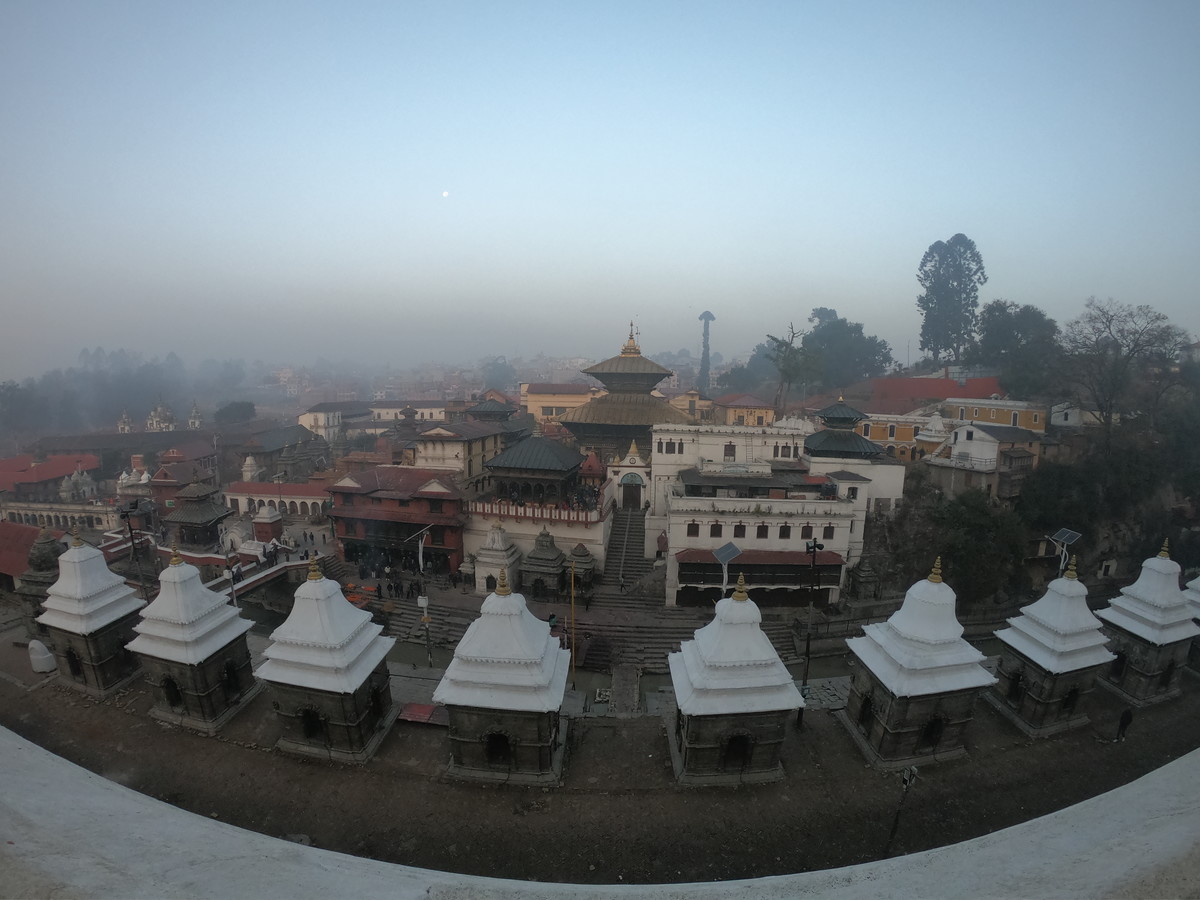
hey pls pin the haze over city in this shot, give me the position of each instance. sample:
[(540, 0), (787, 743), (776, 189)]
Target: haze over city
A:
[(415, 182)]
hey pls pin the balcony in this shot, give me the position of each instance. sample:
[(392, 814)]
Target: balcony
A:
[(761, 506), (541, 512)]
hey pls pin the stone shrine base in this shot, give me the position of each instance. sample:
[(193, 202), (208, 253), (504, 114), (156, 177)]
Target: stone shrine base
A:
[(550, 778), (710, 779), (891, 765), (98, 693), (206, 726), (1035, 731), (312, 751), (1138, 701)]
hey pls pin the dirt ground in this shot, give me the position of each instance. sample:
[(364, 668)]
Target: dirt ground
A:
[(619, 817)]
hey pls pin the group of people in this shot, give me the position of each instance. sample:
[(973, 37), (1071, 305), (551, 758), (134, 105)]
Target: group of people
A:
[(310, 537)]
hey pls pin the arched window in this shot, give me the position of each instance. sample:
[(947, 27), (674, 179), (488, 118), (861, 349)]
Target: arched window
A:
[(171, 693)]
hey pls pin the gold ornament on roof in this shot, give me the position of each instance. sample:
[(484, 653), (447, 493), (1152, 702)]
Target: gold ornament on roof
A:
[(314, 571), (1163, 554), (936, 575), (739, 593), (631, 347), (502, 588), (1071, 573), (176, 559), (76, 540)]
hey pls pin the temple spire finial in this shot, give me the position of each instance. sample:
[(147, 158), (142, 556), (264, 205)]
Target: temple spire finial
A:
[(739, 592), (76, 540), (1164, 553), (502, 588), (314, 571), (936, 574), (631, 347), (1071, 573), (176, 559)]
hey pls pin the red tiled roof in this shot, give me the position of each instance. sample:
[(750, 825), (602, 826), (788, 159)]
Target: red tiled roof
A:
[(180, 473), (270, 489), (23, 470), (764, 558), (402, 481), (15, 543)]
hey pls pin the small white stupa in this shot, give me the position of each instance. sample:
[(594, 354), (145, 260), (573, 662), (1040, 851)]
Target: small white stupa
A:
[(1059, 632), (1050, 656), (192, 644), (1154, 608), (503, 692), (1151, 628), (914, 693), (328, 670), (920, 649), (1192, 594), (731, 667), (507, 659), (90, 612), (734, 697)]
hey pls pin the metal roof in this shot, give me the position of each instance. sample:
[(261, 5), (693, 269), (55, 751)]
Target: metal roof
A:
[(537, 453)]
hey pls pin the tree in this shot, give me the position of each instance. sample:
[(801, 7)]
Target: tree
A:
[(749, 376), (950, 273), (839, 353), (1114, 348), (1022, 342), (791, 362), (237, 411), (498, 373)]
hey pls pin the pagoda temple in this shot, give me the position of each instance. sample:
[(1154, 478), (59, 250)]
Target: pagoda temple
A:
[(628, 412), (1051, 655), (838, 439), (89, 617), (733, 698), (1151, 628), (192, 646), (328, 673), (544, 567), (913, 694), (197, 514), (504, 691)]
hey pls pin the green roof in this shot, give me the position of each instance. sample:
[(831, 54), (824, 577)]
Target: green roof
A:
[(537, 453)]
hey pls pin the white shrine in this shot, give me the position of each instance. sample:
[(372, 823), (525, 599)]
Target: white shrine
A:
[(89, 617), (192, 646), (733, 699), (498, 554), (1192, 593), (504, 691), (328, 673), (1052, 653), (913, 694), (1151, 628)]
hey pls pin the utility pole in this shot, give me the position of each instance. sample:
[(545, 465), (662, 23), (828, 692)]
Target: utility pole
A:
[(811, 549)]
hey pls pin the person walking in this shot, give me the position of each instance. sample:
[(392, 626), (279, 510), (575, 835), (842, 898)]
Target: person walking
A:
[(1124, 723)]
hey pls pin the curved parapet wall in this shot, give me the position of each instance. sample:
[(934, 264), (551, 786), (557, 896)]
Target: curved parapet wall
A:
[(70, 833)]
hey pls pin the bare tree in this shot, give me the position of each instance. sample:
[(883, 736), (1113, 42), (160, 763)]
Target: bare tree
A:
[(791, 361), (1112, 350)]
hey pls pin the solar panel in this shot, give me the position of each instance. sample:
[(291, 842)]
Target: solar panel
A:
[(1066, 536)]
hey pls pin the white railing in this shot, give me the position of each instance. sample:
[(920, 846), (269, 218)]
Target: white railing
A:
[(744, 506), (506, 509), (973, 463)]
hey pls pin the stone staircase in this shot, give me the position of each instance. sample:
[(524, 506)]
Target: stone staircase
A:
[(626, 546)]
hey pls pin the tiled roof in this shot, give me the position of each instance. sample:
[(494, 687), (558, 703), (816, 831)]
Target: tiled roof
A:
[(1006, 433), (273, 439), (465, 431), (15, 543), (628, 365), (180, 473), (400, 481), (551, 387), (843, 475), (837, 442), (199, 512), (625, 409), (23, 470), (764, 558), (537, 453)]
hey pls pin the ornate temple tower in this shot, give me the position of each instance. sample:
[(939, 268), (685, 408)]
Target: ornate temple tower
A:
[(1151, 628), (628, 412), (89, 618), (195, 423), (328, 674), (125, 424), (192, 646), (504, 691), (734, 697), (914, 692), (1050, 657), (498, 554)]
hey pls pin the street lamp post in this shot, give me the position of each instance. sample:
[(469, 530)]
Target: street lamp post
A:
[(126, 516), (423, 604), (811, 549)]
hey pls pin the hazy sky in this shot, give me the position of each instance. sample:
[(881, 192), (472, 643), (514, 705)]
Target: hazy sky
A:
[(406, 181)]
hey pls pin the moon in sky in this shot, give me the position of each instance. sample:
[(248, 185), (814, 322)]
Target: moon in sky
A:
[(445, 193)]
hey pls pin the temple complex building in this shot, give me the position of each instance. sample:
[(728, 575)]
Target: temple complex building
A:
[(1151, 628), (192, 647), (913, 694), (1050, 656), (504, 692), (608, 424), (89, 617), (194, 521), (327, 669), (733, 699)]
